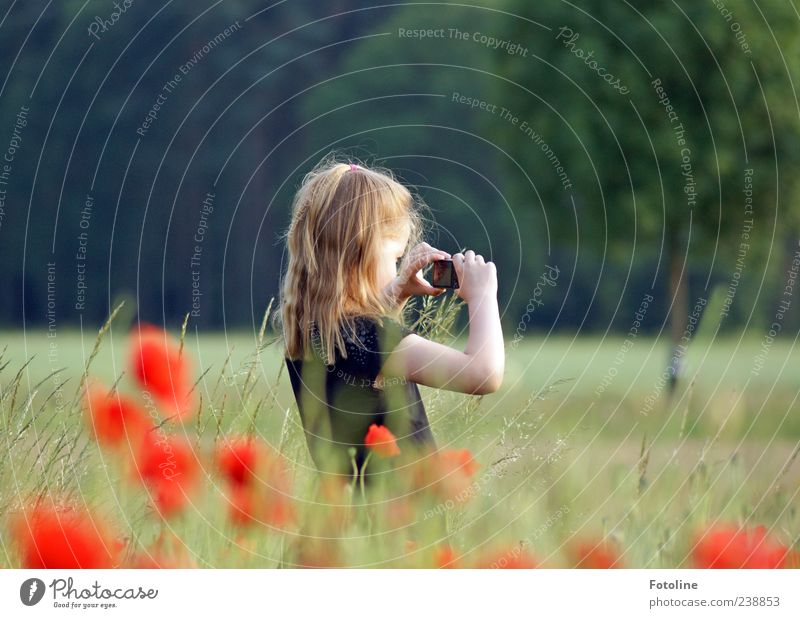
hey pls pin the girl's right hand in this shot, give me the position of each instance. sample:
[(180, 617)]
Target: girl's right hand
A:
[(476, 277)]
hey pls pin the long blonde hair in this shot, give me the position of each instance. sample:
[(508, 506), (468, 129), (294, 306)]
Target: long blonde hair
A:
[(341, 214)]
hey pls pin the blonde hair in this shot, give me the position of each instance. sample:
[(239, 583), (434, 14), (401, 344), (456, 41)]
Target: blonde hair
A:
[(340, 215)]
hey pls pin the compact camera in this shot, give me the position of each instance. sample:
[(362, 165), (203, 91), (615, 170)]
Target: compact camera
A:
[(444, 275)]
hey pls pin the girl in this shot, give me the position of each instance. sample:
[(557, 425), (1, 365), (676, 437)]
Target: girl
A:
[(351, 361)]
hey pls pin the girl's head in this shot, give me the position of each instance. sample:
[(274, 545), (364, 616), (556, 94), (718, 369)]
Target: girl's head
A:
[(350, 224)]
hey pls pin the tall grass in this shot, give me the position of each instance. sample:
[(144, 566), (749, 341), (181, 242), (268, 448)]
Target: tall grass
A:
[(537, 491)]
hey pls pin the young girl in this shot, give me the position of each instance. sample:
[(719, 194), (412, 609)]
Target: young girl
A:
[(351, 361)]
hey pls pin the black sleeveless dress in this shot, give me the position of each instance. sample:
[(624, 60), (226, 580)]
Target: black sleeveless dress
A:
[(338, 403)]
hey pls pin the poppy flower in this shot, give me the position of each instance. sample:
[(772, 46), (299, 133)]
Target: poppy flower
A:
[(731, 547), (459, 460), (237, 459), (250, 506), (242, 511), (260, 488), (279, 509), (445, 558), (114, 418), (381, 441), (63, 537), (447, 473), (161, 370), (592, 555), (276, 502), (168, 467)]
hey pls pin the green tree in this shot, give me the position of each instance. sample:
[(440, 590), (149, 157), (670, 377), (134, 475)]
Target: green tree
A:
[(655, 111)]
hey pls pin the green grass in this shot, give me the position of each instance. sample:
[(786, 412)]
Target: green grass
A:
[(559, 459)]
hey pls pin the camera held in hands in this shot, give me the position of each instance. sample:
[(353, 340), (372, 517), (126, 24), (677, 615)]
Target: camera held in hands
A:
[(444, 275)]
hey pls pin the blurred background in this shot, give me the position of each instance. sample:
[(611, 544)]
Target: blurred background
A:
[(524, 149)]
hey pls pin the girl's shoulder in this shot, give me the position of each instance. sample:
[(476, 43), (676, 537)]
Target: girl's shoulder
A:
[(376, 329), (370, 342), (368, 339)]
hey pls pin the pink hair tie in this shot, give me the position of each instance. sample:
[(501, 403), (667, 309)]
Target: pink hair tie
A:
[(353, 167)]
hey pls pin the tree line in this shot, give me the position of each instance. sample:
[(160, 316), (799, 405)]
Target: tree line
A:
[(637, 150)]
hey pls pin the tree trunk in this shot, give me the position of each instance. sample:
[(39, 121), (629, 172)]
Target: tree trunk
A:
[(679, 311)]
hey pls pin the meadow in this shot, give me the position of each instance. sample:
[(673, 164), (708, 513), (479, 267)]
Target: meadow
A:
[(581, 459)]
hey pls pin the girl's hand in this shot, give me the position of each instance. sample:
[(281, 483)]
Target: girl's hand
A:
[(476, 277), (409, 281)]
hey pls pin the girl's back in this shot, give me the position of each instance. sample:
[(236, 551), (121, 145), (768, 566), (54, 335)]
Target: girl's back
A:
[(339, 402), (352, 363)]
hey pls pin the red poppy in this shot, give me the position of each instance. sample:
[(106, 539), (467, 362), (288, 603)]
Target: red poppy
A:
[(731, 547), (114, 418), (459, 460), (381, 441), (595, 555), (250, 506), (279, 509), (168, 467), (237, 459), (161, 369), (275, 491), (63, 537), (260, 489), (445, 558), (448, 474), (242, 511)]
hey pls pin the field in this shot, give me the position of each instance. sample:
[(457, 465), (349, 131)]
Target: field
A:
[(582, 447)]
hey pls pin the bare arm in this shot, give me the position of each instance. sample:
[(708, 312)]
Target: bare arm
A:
[(479, 368)]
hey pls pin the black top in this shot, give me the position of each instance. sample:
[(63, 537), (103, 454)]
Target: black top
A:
[(338, 403)]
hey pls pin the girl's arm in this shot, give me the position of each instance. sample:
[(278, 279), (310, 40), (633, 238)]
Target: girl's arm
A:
[(479, 368), (409, 281)]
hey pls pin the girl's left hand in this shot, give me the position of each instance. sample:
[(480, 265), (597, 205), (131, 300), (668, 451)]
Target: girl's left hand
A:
[(409, 280)]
